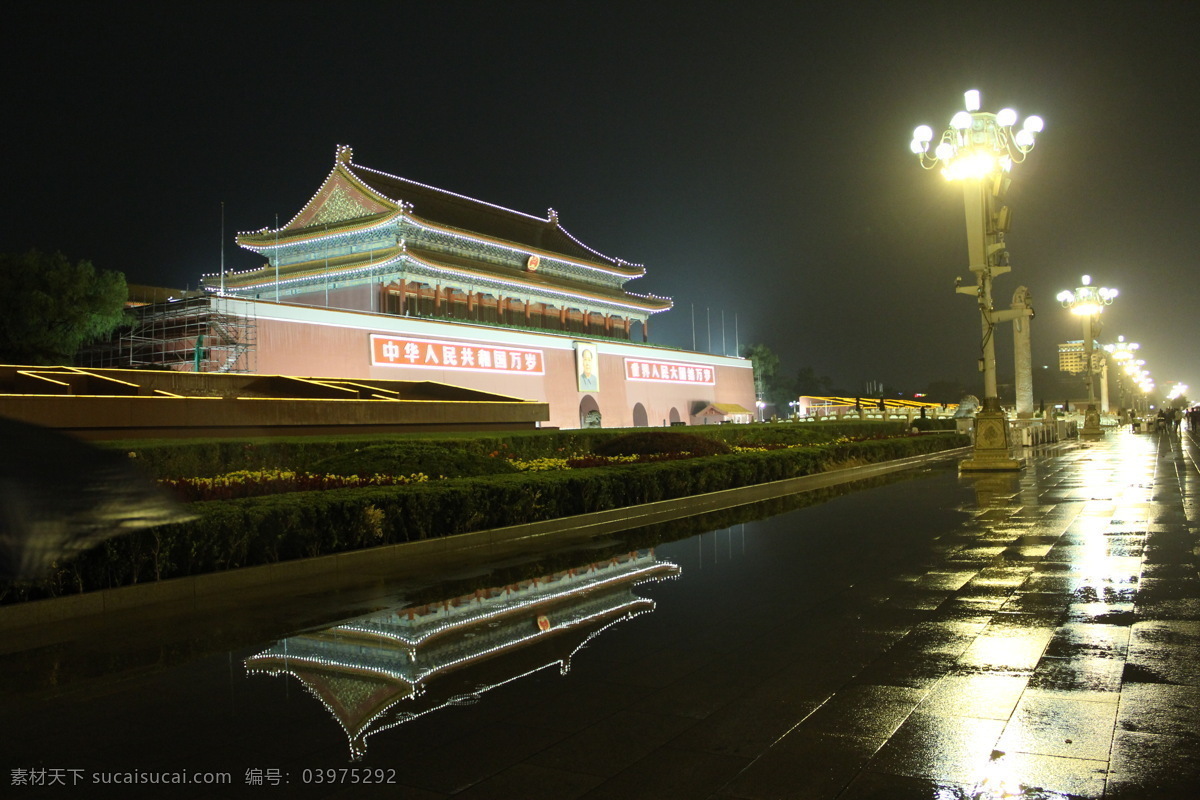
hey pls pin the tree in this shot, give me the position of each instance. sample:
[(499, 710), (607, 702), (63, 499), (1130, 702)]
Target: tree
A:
[(809, 383), (770, 385), (766, 365), (49, 306)]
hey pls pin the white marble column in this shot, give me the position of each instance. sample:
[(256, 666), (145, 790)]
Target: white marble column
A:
[(1022, 354), (1104, 385)]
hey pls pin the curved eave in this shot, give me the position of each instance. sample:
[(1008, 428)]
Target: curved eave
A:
[(652, 305), (337, 269), (396, 190), (269, 240), (517, 247), (266, 276)]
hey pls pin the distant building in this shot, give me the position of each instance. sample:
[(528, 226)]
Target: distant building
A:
[(1071, 356), (718, 413), (382, 277)]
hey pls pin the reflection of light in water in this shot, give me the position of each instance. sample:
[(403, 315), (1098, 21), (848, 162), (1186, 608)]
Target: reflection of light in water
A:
[(391, 667), (1000, 782), (1101, 576), (995, 490)]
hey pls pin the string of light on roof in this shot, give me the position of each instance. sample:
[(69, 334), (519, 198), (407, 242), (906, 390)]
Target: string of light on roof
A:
[(323, 235), (344, 155), (527, 286), (522, 252), (568, 234), (465, 275), (428, 226), (446, 192)]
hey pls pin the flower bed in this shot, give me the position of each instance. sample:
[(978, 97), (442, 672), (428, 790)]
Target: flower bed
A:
[(255, 483), (299, 524)]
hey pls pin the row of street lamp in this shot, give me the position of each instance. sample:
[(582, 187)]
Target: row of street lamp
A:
[(1087, 302), (979, 149)]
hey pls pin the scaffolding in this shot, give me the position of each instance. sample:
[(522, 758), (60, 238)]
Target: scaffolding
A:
[(197, 334)]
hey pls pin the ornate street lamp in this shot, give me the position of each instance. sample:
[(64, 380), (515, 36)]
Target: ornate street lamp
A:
[(1086, 302), (1121, 352), (1143, 380), (1139, 378), (979, 150)]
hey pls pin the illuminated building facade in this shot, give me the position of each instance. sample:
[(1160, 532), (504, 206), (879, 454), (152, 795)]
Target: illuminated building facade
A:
[(380, 277), (370, 241), (1071, 356)]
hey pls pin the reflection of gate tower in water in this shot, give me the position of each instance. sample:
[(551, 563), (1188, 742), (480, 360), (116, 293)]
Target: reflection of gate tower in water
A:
[(379, 671)]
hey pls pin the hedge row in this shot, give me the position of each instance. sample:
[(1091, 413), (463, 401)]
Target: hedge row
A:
[(204, 458), (263, 530)]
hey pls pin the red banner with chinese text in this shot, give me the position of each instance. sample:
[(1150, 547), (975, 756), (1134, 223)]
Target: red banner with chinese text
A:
[(405, 351), (643, 369)]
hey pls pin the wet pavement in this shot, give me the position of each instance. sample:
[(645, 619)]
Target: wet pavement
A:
[(931, 636)]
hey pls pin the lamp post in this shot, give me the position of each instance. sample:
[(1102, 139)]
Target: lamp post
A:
[(978, 150), (1133, 371), (1121, 352), (1086, 302), (1141, 380)]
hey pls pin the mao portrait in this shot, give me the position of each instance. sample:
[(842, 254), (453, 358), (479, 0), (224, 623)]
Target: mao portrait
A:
[(587, 377)]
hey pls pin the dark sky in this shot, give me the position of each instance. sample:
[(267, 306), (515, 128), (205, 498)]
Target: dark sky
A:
[(753, 155)]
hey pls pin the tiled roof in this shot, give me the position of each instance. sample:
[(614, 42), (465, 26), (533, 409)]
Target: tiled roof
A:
[(476, 216)]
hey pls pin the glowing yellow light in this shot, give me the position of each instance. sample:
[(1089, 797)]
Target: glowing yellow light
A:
[(971, 165)]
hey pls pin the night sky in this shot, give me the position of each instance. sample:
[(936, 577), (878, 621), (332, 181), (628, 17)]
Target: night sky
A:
[(752, 155)]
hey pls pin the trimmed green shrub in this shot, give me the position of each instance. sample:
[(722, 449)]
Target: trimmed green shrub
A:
[(653, 442), (411, 458), (260, 530), (204, 458)]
